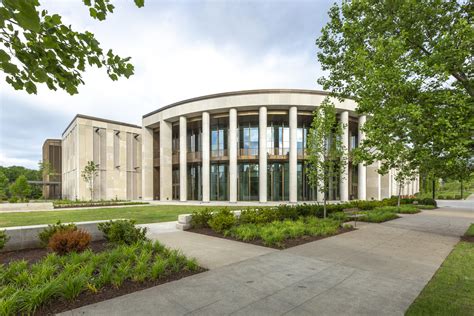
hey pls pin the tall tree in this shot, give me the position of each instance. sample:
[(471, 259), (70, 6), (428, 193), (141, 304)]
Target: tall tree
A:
[(90, 172), (20, 188), (3, 186), (326, 153), (37, 47), (409, 66)]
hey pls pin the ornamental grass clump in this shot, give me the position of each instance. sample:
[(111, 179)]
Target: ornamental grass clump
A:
[(26, 287)]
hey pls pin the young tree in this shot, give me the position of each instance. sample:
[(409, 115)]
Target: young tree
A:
[(90, 172), (37, 47), (408, 64), (3, 186), (326, 153), (20, 188), (46, 169)]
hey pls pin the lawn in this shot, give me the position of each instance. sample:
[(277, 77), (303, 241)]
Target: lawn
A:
[(451, 290), (142, 214)]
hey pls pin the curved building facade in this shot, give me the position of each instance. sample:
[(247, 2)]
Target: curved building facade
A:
[(234, 146), (247, 146)]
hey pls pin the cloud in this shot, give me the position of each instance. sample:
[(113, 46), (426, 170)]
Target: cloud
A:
[(180, 50)]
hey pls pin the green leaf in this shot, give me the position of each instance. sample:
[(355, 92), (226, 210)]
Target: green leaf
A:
[(9, 68), (4, 56), (28, 17), (139, 3)]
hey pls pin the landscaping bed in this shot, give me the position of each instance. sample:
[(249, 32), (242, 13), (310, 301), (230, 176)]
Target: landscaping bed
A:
[(73, 204), (469, 235), (73, 272), (288, 243)]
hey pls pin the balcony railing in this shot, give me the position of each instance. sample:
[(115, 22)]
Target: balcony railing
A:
[(194, 156), (248, 153), (219, 154), (278, 153)]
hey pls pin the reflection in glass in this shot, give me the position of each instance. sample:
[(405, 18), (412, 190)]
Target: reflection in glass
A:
[(278, 181), (194, 182), (219, 182), (248, 182)]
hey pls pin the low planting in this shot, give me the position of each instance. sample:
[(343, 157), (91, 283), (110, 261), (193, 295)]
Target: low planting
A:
[(24, 288), (470, 231), (403, 209), (275, 233), (425, 207), (48, 232), (377, 216), (122, 232), (78, 203), (3, 239)]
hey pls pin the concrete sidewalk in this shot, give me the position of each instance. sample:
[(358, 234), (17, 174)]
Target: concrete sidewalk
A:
[(377, 270)]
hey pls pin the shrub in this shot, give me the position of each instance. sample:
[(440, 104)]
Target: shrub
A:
[(222, 220), (66, 241), (122, 232), (339, 216), (449, 197), (457, 197), (201, 218), (425, 207), (13, 199), (404, 209), (378, 216), (3, 239), (46, 234), (257, 216), (441, 197), (428, 201)]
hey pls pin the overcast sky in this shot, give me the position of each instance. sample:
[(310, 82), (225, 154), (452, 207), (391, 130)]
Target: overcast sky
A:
[(180, 49)]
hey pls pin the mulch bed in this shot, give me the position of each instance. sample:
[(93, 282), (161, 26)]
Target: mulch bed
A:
[(286, 244), (467, 238), (108, 292), (36, 254), (86, 298)]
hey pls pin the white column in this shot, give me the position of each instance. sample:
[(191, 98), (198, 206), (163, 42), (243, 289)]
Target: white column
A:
[(166, 164), (182, 159), (262, 153), (362, 169), (344, 179), (205, 157), (390, 187), (233, 155), (293, 155)]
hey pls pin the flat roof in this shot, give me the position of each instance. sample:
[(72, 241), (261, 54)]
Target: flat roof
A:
[(87, 117), (234, 93)]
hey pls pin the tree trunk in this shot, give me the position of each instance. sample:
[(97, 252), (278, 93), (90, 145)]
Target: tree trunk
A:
[(434, 189), (462, 191), (324, 205), (399, 196)]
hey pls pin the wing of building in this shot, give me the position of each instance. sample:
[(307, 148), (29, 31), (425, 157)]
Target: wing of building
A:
[(234, 146)]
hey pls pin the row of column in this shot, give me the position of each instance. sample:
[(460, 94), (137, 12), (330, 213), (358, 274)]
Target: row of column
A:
[(166, 157)]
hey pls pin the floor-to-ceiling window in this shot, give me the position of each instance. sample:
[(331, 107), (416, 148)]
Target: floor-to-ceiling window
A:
[(353, 171), (306, 192), (175, 183), (219, 182), (194, 182), (219, 137), (248, 136), (248, 182), (278, 181), (278, 135)]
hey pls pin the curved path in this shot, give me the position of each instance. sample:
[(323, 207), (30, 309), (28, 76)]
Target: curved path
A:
[(377, 270)]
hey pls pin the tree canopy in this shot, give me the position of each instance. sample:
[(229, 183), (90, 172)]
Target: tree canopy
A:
[(36, 47), (409, 66)]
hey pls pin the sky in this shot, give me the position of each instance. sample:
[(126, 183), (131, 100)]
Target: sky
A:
[(180, 50)]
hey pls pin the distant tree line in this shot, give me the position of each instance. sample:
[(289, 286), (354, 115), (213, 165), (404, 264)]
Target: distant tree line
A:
[(14, 183)]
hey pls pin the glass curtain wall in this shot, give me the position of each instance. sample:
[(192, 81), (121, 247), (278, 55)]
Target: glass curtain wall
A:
[(305, 191), (219, 137), (248, 135), (278, 135), (175, 183), (194, 182), (353, 169), (248, 182), (219, 182), (194, 135), (278, 176)]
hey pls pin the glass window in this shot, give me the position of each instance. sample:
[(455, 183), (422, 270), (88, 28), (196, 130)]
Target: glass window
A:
[(219, 182), (278, 182), (194, 182), (248, 136), (219, 136), (248, 182)]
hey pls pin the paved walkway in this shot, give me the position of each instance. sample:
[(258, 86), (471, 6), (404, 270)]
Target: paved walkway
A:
[(377, 270)]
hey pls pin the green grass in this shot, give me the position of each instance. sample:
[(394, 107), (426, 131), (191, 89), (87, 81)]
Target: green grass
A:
[(24, 288), (142, 214), (425, 207), (378, 216), (470, 231), (275, 233), (451, 290), (404, 209)]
